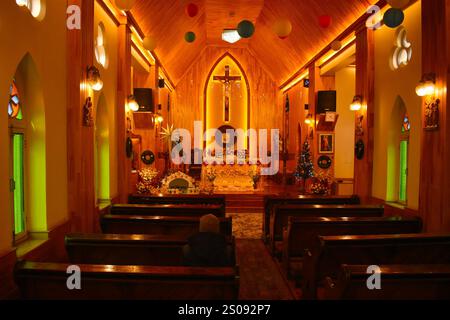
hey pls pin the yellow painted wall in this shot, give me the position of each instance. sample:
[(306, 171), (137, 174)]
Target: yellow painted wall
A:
[(46, 43), (345, 131), (388, 86), (109, 91)]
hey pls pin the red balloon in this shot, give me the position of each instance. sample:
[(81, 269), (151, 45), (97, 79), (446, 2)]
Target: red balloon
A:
[(325, 21), (192, 10)]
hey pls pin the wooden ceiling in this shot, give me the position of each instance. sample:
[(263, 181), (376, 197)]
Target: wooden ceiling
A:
[(167, 21)]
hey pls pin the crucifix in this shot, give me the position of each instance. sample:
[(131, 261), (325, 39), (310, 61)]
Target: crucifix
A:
[(226, 80)]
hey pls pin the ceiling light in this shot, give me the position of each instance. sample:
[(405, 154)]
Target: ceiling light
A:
[(230, 35)]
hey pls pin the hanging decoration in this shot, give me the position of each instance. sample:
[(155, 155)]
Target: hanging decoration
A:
[(282, 28), (325, 21), (191, 10), (189, 37), (125, 5), (336, 45), (150, 43), (393, 17), (246, 29), (399, 4)]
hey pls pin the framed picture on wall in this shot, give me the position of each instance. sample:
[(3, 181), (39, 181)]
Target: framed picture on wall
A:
[(326, 143)]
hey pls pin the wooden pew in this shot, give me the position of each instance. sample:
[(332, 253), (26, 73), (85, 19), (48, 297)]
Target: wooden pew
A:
[(48, 281), (302, 233), (184, 210), (281, 213), (154, 225), (398, 282), (177, 199), (330, 252), (120, 249), (271, 200)]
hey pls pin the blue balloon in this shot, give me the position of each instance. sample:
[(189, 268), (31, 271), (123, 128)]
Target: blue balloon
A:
[(246, 29), (393, 17)]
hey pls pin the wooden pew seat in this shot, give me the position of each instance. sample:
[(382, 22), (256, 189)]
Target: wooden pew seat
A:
[(330, 252), (281, 214), (157, 225), (48, 281), (398, 282), (185, 210), (177, 199), (121, 249), (302, 233), (271, 200)]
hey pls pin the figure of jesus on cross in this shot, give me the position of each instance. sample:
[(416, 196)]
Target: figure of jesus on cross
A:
[(227, 80)]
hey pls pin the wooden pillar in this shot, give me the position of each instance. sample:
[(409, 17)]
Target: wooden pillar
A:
[(365, 74), (123, 91), (80, 138), (434, 191), (314, 79)]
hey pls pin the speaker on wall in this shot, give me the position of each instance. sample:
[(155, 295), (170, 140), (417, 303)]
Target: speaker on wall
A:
[(326, 102), (161, 83), (144, 98)]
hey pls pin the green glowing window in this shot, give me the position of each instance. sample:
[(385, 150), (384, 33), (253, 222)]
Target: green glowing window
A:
[(403, 170), (18, 183)]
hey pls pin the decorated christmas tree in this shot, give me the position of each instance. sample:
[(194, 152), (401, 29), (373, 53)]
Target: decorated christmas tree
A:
[(305, 166)]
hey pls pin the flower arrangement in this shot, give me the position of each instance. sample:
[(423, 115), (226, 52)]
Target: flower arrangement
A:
[(210, 174), (319, 188), (254, 173), (149, 179), (321, 184)]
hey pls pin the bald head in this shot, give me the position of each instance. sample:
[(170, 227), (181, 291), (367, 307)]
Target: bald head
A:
[(209, 223)]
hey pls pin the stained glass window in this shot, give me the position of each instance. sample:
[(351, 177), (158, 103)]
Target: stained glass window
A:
[(406, 125), (14, 104)]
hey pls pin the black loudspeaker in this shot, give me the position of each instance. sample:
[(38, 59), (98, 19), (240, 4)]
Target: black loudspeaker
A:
[(326, 102), (144, 98), (161, 83)]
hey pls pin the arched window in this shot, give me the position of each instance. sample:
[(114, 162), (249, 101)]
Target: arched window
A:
[(403, 153), (37, 8), (17, 182)]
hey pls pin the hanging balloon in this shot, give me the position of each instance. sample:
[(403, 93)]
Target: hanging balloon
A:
[(399, 4), (191, 10), (189, 37), (246, 29), (393, 17), (282, 28), (125, 5), (336, 45), (149, 43), (325, 21)]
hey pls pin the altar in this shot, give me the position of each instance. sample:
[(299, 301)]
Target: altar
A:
[(231, 177)]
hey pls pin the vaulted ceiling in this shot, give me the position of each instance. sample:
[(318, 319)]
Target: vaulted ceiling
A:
[(167, 21)]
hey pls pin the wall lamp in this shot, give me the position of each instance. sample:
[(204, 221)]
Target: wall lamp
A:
[(309, 119), (356, 103), (93, 79), (427, 85), (132, 104)]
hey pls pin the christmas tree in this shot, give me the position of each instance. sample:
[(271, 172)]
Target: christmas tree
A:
[(305, 167)]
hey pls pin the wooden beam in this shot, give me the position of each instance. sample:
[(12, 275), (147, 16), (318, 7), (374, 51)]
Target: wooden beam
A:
[(365, 76), (435, 151), (80, 139), (123, 91)]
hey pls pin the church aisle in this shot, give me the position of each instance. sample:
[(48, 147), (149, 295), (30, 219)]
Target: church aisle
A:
[(260, 278)]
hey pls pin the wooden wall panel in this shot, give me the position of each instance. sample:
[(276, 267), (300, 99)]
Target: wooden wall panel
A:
[(365, 72), (434, 174), (265, 110)]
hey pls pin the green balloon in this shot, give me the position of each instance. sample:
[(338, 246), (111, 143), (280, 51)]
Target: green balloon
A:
[(246, 29), (189, 37), (393, 17)]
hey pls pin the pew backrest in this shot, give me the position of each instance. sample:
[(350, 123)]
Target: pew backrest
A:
[(157, 225), (398, 282), (120, 249), (185, 210), (49, 281), (177, 199)]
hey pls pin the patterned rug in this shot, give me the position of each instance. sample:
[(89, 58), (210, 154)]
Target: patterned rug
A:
[(247, 225)]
